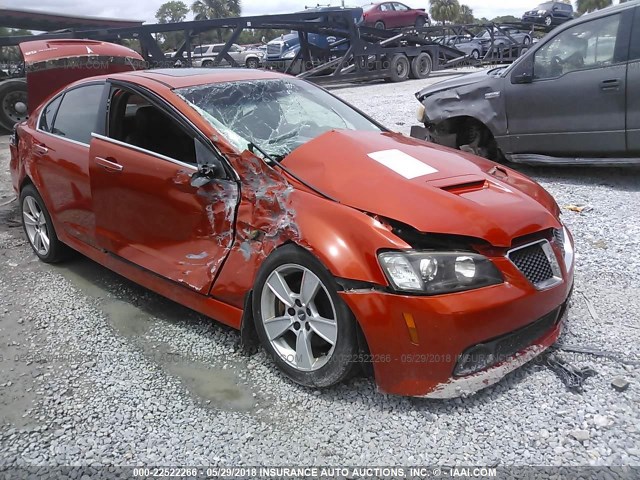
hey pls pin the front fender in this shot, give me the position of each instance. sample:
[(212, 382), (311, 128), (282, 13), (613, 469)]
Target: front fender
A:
[(483, 101), (344, 239)]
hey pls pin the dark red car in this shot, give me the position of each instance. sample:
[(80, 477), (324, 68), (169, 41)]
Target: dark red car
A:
[(388, 15), (263, 201)]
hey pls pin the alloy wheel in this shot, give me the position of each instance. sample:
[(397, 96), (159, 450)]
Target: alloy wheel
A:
[(299, 317), (35, 223)]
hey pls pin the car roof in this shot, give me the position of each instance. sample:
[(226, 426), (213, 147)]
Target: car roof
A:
[(190, 77)]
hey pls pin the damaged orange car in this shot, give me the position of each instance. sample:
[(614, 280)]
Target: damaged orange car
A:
[(270, 205)]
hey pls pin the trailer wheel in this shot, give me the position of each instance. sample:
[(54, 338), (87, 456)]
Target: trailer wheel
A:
[(13, 103), (421, 66), (399, 68)]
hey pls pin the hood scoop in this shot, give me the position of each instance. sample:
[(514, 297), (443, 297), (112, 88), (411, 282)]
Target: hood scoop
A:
[(461, 184)]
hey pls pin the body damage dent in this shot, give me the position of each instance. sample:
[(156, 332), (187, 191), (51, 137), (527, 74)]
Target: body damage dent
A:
[(465, 386), (219, 200), (476, 100), (265, 221)]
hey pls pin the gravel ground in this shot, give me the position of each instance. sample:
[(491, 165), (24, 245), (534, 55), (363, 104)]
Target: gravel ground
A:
[(96, 370)]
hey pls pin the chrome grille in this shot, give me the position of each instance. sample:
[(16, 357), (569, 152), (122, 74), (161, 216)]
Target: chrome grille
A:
[(538, 264), (274, 49)]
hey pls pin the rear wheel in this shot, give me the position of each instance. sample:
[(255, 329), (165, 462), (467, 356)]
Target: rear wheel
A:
[(475, 54), (421, 65), (38, 227), (420, 22), (379, 25), (399, 68), (207, 64), (13, 103), (252, 63), (301, 321)]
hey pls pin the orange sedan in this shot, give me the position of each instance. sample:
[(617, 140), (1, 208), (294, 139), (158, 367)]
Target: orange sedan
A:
[(270, 205)]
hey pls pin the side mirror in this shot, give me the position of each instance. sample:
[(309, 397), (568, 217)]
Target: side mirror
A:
[(210, 167), (523, 73), (203, 176), (524, 77)]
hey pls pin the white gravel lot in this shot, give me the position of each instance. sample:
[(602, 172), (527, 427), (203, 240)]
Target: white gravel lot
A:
[(96, 370)]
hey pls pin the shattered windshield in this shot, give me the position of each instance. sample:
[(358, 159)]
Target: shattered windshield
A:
[(276, 115)]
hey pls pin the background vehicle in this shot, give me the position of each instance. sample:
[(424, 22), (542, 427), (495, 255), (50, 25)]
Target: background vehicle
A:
[(500, 38), (549, 14), (204, 55), (465, 43), (390, 15), (573, 98)]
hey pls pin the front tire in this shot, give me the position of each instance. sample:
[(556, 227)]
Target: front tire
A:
[(38, 227), (379, 25), (252, 63), (207, 64), (420, 22), (548, 21), (301, 321)]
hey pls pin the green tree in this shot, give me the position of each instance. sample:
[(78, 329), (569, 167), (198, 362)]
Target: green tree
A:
[(506, 19), (586, 6), (445, 10), (172, 12), (209, 9), (465, 15)]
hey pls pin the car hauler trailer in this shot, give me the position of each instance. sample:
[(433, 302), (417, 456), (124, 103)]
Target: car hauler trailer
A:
[(359, 53)]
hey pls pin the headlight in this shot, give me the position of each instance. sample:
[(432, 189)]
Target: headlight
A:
[(290, 54), (541, 12), (435, 273)]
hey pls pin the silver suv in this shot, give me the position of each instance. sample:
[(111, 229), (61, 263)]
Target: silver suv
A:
[(204, 55)]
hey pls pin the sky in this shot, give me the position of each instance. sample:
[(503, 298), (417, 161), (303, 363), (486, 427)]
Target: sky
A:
[(146, 9)]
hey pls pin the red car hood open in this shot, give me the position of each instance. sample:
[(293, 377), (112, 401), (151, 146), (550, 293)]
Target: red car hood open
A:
[(432, 188)]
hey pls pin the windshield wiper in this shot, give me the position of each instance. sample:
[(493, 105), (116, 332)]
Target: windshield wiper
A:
[(274, 161)]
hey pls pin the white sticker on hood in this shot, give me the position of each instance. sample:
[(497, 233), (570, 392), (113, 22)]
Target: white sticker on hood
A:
[(406, 165)]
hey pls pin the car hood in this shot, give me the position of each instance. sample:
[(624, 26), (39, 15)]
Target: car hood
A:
[(434, 189), (456, 82)]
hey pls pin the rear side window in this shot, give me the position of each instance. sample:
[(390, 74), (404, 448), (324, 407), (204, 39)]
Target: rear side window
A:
[(48, 115), (77, 115)]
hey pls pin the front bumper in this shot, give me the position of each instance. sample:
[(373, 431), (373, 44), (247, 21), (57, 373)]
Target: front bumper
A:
[(423, 362)]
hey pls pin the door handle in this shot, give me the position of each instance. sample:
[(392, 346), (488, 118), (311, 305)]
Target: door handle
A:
[(610, 85), (109, 164), (39, 149)]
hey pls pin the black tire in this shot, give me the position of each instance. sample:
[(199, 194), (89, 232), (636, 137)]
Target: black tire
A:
[(548, 21), (57, 250), (340, 364), (475, 54), (420, 22), (12, 92), (399, 68), (207, 64), (474, 137), (526, 41), (421, 66), (252, 63), (379, 25)]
